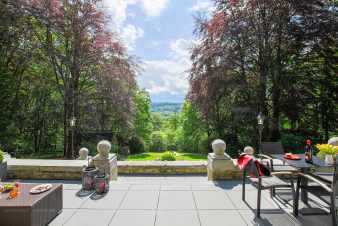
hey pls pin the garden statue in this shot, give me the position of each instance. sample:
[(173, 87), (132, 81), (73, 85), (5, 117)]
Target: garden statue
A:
[(333, 141), (83, 154), (220, 165), (218, 147), (105, 162), (249, 150)]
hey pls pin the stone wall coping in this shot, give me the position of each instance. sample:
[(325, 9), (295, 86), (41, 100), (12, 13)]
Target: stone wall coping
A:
[(80, 163), (46, 162)]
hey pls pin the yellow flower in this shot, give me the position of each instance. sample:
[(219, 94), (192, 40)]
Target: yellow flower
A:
[(327, 149)]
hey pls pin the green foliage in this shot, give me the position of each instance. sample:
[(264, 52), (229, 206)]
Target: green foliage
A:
[(192, 134), (142, 122), (158, 141), (168, 156), (136, 145), (155, 156), (294, 141), (1, 156), (289, 75)]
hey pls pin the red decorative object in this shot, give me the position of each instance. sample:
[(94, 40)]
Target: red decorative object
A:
[(291, 156), (101, 184)]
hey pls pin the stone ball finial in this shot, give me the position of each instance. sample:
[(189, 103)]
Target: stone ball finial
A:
[(333, 141), (103, 148), (218, 147), (249, 150), (83, 153)]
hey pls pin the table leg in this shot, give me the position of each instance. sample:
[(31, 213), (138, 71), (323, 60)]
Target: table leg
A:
[(304, 183)]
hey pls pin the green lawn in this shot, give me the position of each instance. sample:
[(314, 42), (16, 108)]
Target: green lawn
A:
[(148, 156)]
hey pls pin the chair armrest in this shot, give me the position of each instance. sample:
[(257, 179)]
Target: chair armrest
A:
[(282, 173), (317, 181)]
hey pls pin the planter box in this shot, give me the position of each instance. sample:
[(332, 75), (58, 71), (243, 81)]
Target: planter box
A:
[(3, 170)]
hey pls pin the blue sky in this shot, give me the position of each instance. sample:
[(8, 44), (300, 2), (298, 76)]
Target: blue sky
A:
[(160, 33)]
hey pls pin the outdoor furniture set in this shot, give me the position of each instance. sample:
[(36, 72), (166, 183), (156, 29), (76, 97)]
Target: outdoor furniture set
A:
[(272, 170)]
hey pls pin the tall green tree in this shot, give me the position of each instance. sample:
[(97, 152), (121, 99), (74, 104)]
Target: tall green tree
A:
[(142, 122)]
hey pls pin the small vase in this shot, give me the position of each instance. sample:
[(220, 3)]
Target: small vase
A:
[(329, 159)]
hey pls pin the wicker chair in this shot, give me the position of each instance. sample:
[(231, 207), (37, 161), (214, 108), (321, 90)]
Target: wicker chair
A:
[(322, 188), (262, 183)]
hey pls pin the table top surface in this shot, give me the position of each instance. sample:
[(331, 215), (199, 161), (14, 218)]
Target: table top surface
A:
[(302, 163), (25, 199)]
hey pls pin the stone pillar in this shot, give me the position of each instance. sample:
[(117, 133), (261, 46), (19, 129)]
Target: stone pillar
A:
[(220, 165), (104, 161)]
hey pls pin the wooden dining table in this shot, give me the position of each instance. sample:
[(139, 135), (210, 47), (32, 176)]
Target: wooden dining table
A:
[(304, 167)]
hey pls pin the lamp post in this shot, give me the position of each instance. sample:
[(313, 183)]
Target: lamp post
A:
[(72, 125), (260, 123)]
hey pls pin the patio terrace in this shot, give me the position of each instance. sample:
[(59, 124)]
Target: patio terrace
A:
[(179, 201)]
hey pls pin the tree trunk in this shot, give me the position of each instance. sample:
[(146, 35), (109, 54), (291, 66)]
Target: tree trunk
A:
[(66, 141)]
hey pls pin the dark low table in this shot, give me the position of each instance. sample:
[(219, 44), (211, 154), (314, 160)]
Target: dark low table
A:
[(30, 209), (304, 167)]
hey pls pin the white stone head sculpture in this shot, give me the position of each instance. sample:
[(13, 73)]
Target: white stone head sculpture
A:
[(333, 141), (103, 148), (83, 153), (249, 150), (218, 147)]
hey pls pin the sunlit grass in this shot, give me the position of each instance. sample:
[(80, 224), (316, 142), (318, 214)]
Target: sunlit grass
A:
[(153, 156)]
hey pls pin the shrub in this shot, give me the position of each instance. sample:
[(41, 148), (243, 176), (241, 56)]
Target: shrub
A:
[(136, 145), (168, 156), (1, 156)]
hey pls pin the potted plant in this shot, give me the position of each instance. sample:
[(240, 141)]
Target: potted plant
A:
[(3, 166), (327, 152)]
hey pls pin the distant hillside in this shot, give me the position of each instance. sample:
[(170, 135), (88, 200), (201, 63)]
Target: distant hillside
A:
[(166, 107)]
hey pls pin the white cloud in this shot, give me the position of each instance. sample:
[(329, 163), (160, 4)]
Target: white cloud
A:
[(118, 8), (130, 34), (153, 8), (168, 76), (118, 11), (203, 6), (180, 49)]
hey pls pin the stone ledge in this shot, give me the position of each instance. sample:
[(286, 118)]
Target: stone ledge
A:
[(44, 169), (71, 169), (162, 167)]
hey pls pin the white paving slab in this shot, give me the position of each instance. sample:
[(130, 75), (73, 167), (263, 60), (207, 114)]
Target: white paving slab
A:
[(251, 200), (177, 218), (140, 200), (166, 187), (176, 200), (134, 218), (208, 200), (112, 200), (221, 218), (63, 217), (150, 187), (90, 218), (119, 186), (71, 201)]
